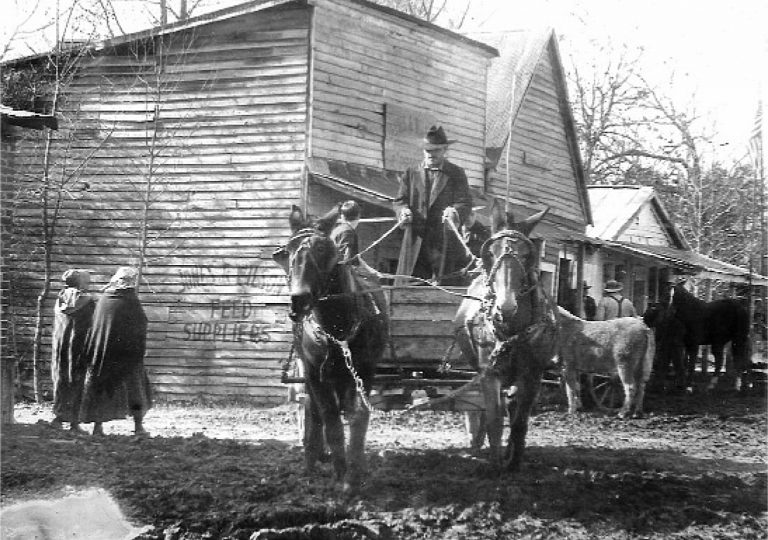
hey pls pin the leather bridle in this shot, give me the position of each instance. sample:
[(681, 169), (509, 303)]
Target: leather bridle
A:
[(511, 238)]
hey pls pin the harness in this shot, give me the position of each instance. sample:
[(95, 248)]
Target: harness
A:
[(325, 277), (510, 251), (545, 319)]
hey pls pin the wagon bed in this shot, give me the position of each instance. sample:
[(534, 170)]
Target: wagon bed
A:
[(422, 341)]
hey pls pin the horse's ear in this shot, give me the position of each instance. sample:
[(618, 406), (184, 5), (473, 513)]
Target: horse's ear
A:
[(296, 219), (527, 225), (280, 256), (498, 217), (326, 222)]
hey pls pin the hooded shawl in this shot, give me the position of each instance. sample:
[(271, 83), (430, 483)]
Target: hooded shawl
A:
[(117, 340), (72, 319)]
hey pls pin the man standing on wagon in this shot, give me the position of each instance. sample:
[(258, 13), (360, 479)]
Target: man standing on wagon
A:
[(435, 192)]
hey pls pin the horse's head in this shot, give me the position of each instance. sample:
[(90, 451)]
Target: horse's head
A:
[(310, 259), (510, 263)]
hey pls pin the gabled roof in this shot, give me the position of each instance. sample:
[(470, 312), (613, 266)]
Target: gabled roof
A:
[(246, 8), (509, 78), (615, 207)]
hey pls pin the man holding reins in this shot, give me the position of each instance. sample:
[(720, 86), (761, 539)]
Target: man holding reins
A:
[(435, 191)]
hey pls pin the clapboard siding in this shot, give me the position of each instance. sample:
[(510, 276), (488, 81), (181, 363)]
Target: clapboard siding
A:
[(363, 60), (539, 131), (220, 111), (230, 142), (646, 228)]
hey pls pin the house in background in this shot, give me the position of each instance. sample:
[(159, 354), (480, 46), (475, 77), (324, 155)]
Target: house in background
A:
[(638, 244), (532, 153)]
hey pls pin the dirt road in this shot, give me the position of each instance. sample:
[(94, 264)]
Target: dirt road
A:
[(694, 467)]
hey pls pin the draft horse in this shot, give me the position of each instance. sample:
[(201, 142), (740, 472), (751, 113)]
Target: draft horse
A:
[(340, 331), (713, 323), (507, 329)]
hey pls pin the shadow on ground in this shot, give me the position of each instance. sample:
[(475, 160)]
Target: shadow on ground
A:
[(192, 487)]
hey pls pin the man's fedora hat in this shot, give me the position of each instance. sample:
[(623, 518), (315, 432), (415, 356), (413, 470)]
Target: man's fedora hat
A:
[(436, 138), (613, 286)]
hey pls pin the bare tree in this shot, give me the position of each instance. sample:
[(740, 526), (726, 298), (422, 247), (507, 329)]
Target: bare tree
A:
[(47, 184), (30, 23), (452, 13), (605, 93)]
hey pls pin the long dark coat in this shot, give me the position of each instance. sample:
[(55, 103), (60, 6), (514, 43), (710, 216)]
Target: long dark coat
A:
[(449, 188), (71, 321), (116, 382)]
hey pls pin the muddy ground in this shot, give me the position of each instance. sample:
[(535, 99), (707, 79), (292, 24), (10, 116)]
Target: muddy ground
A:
[(694, 467)]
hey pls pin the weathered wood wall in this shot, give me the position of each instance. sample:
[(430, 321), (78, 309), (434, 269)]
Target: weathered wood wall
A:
[(203, 135), (365, 59), (542, 171), (646, 229), (215, 140), (422, 326)]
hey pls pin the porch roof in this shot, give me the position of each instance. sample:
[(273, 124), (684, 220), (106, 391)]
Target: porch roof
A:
[(690, 262)]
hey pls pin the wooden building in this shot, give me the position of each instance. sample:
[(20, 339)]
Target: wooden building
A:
[(186, 145), (532, 153), (638, 244)]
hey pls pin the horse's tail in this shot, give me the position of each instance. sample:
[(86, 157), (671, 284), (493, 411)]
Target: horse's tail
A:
[(650, 352)]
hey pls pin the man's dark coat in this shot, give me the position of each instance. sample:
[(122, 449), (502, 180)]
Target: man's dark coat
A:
[(449, 187)]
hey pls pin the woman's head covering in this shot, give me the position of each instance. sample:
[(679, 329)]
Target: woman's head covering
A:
[(75, 277), (126, 277), (75, 295)]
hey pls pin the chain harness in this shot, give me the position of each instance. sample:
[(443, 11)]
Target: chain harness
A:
[(304, 235)]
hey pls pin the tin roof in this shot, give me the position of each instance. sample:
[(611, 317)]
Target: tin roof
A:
[(614, 207), (509, 77), (690, 261)]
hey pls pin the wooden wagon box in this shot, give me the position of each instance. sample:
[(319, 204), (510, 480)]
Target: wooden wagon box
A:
[(423, 361)]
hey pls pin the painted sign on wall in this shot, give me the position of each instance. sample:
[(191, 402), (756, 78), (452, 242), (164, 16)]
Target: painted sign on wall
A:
[(404, 130)]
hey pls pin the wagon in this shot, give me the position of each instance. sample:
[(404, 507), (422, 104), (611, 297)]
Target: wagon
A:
[(422, 360)]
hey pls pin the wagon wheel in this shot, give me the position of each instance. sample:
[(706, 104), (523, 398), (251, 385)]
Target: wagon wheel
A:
[(606, 391), (552, 390)]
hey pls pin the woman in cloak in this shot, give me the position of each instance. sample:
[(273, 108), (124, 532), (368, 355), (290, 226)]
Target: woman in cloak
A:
[(116, 383), (71, 321)]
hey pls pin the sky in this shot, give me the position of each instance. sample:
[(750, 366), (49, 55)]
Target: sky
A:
[(718, 49)]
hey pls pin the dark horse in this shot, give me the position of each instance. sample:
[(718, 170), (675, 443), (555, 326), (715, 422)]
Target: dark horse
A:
[(340, 331), (508, 330), (690, 322)]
